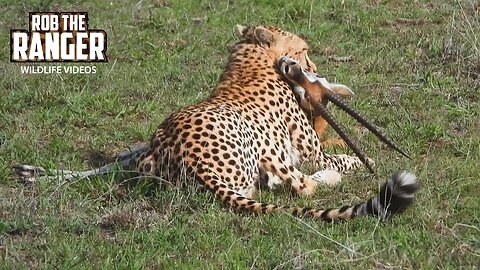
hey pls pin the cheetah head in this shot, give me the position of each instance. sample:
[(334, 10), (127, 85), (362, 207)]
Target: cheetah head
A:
[(279, 42)]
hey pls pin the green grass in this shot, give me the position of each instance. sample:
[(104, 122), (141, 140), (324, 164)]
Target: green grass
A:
[(415, 69)]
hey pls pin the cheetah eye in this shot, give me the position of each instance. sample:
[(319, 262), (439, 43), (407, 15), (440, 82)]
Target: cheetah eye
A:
[(287, 69)]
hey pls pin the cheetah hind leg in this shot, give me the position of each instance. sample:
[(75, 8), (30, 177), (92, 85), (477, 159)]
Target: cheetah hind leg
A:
[(123, 161)]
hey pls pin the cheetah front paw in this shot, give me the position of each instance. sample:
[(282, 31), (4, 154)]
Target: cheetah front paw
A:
[(329, 177), (371, 162)]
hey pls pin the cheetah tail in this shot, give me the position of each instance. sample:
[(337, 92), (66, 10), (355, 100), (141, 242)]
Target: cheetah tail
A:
[(394, 197)]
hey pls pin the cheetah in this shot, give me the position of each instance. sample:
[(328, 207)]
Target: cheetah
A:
[(252, 129)]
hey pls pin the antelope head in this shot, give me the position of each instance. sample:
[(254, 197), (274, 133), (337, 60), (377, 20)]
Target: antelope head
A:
[(314, 94)]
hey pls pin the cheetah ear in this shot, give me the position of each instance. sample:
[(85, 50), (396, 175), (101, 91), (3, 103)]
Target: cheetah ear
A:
[(242, 30), (263, 35), (245, 32), (341, 89)]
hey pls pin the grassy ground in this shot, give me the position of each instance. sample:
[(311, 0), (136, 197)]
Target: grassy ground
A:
[(414, 66)]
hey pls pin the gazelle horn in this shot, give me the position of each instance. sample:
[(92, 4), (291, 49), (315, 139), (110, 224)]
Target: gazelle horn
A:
[(322, 110), (364, 122)]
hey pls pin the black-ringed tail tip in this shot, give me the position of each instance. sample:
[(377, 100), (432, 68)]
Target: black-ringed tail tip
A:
[(396, 195)]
